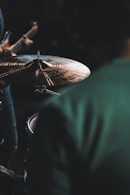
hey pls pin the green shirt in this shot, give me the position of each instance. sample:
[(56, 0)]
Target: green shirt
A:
[(82, 140)]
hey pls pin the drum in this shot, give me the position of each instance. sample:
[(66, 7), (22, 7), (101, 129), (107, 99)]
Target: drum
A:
[(31, 123)]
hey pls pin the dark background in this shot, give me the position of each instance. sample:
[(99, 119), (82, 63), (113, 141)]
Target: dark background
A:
[(58, 34), (58, 26)]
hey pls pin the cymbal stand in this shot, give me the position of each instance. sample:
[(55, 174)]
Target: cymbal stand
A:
[(43, 90)]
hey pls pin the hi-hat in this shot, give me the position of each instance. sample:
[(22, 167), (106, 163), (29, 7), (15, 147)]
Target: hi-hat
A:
[(46, 70)]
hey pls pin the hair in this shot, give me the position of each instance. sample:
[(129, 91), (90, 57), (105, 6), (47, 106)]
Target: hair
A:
[(104, 25)]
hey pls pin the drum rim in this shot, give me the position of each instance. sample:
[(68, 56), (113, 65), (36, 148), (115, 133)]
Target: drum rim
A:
[(29, 120)]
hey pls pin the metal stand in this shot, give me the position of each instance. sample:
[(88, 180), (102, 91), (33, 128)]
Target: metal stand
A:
[(43, 90)]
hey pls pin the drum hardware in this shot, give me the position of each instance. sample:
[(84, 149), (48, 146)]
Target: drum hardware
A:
[(49, 71), (2, 141), (6, 171), (1, 99), (5, 41), (7, 178), (1, 105), (10, 183), (10, 68), (43, 90), (24, 41), (31, 123), (44, 69), (30, 128), (1, 108)]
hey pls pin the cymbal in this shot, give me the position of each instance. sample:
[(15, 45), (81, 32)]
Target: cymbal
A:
[(47, 70), (10, 66)]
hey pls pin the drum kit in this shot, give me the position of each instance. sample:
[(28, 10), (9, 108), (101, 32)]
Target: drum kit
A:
[(37, 70)]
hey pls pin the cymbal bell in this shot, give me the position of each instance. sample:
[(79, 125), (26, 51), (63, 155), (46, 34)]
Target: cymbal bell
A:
[(47, 70)]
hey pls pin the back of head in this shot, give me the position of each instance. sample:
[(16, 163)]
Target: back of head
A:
[(104, 25)]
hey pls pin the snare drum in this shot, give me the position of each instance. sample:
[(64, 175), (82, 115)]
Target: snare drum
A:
[(31, 123)]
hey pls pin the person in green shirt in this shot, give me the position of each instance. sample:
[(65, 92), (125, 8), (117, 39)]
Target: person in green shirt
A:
[(81, 143)]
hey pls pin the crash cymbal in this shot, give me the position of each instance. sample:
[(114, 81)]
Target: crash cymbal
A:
[(48, 70), (10, 66)]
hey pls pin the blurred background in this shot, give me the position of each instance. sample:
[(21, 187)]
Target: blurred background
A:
[(58, 21)]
